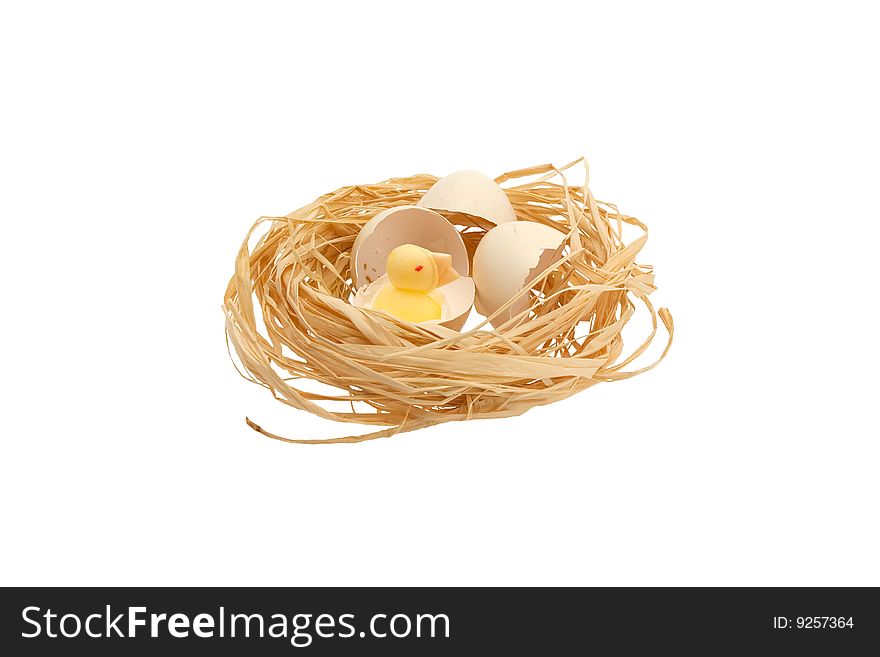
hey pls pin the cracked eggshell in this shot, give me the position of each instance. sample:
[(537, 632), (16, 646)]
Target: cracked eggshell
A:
[(405, 224), (458, 298), (470, 192), (506, 259)]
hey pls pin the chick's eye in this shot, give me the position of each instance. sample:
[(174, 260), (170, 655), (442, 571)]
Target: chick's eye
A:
[(419, 268)]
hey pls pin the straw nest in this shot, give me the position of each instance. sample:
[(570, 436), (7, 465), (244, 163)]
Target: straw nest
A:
[(402, 376)]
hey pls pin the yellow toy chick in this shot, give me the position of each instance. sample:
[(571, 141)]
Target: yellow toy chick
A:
[(414, 274)]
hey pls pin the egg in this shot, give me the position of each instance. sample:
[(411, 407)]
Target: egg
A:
[(507, 258), (456, 299), (405, 224), (470, 192)]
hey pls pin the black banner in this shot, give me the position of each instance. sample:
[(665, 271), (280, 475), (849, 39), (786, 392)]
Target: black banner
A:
[(419, 621)]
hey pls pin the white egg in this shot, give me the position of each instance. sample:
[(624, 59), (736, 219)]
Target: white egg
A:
[(405, 224), (458, 298), (470, 192), (507, 258)]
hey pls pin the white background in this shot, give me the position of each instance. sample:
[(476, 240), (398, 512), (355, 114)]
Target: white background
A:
[(139, 142)]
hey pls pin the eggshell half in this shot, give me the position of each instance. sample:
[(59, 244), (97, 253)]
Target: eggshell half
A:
[(458, 297), (470, 192), (406, 224), (506, 259)]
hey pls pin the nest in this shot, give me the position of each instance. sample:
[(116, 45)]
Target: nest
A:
[(402, 376)]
